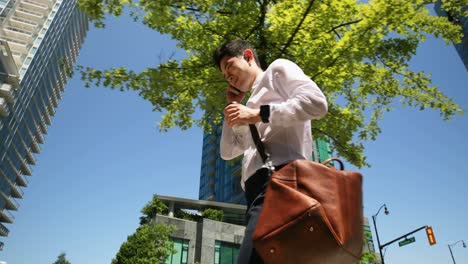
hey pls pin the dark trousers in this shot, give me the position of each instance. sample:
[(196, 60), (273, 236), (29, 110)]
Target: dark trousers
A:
[(254, 193)]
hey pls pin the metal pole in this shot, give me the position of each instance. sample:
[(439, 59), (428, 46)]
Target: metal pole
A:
[(451, 254), (450, 248), (405, 235), (378, 240)]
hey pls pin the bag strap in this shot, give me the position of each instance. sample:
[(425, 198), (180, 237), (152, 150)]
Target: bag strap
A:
[(325, 162), (266, 157), (258, 143)]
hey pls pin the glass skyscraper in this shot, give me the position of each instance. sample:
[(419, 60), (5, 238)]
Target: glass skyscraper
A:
[(462, 48), (220, 179), (39, 40)]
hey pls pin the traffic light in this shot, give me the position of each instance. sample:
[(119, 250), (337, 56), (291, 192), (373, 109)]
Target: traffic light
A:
[(430, 235)]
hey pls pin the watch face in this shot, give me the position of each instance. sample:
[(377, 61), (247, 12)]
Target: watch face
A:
[(265, 113)]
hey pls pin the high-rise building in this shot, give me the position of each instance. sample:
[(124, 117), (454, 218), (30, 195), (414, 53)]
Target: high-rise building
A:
[(220, 179), (462, 48), (39, 40)]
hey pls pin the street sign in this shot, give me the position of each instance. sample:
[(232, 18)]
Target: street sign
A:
[(406, 241)]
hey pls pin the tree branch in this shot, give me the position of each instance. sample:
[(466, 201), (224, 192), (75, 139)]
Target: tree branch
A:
[(328, 66), (210, 30), (297, 28), (201, 66), (336, 58), (193, 9), (261, 20), (336, 33), (263, 42), (344, 24)]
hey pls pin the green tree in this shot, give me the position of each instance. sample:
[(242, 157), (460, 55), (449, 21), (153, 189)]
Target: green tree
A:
[(150, 244), (187, 215), (368, 258), (153, 207), (356, 51), (61, 259), (213, 214)]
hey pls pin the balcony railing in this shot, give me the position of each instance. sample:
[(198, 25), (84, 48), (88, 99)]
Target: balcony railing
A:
[(6, 217), (16, 192), (50, 107), (29, 12), (21, 180), (6, 91), (3, 232), (27, 22), (54, 99), (16, 45), (11, 204), (37, 4), (39, 137), (26, 33), (3, 107), (18, 56), (57, 90), (14, 41), (29, 156), (43, 126), (46, 116), (34, 146), (25, 168)]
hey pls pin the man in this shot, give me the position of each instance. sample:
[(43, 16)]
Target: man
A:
[(282, 102)]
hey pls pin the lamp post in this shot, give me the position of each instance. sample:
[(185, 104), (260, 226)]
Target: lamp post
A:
[(449, 246), (374, 218)]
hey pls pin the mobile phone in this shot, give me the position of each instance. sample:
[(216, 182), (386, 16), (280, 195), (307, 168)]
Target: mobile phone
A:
[(234, 90)]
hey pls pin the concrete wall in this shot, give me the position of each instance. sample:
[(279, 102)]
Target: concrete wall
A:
[(202, 236), (185, 230), (213, 231)]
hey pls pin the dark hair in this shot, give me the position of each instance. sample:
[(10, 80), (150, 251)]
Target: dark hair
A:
[(233, 48)]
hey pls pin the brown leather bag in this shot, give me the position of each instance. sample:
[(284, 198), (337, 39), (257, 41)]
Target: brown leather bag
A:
[(312, 214)]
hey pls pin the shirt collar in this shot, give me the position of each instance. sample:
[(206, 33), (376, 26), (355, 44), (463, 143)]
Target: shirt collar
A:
[(257, 80)]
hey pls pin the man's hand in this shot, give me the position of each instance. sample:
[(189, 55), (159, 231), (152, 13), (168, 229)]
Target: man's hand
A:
[(238, 114)]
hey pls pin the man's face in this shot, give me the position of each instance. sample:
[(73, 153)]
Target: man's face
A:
[(236, 71)]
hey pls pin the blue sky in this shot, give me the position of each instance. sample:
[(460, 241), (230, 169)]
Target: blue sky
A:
[(104, 158)]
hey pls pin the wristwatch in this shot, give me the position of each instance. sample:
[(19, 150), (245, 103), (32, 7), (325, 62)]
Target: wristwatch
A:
[(265, 113)]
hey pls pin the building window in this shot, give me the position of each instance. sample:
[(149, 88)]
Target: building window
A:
[(226, 253), (181, 256)]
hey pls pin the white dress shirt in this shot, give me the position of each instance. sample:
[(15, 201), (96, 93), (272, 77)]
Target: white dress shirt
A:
[(294, 100)]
